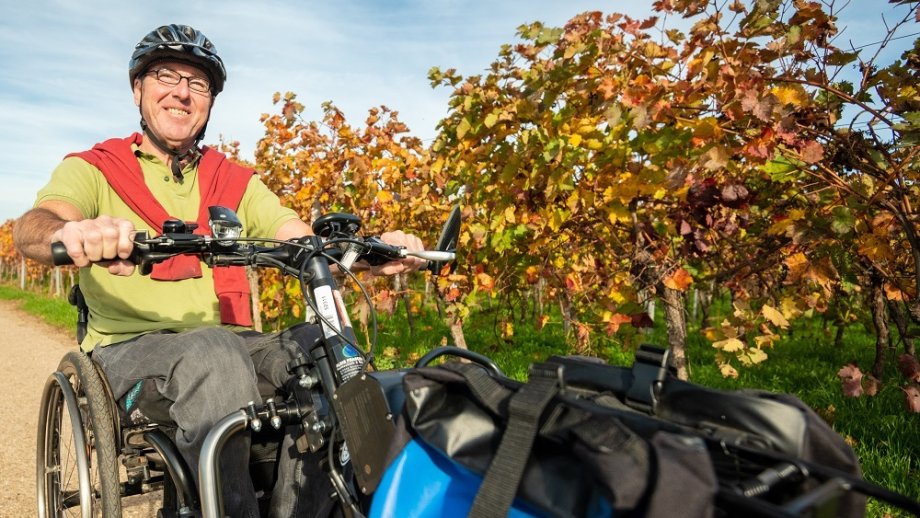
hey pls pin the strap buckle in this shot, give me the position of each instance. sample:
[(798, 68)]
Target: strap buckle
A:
[(648, 372)]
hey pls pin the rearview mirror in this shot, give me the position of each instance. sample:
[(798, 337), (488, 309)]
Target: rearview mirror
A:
[(450, 234)]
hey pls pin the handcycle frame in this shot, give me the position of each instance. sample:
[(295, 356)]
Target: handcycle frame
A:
[(332, 360)]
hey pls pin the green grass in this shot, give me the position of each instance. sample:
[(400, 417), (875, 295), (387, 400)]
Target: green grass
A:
[(53, 310), (885, 437)]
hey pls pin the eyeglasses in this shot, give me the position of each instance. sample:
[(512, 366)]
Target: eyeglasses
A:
[(170, 77)]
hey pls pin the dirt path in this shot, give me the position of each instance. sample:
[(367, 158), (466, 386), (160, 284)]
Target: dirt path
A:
[(29, 352)]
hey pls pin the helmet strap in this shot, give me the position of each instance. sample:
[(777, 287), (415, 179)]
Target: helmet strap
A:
[(175, 155)]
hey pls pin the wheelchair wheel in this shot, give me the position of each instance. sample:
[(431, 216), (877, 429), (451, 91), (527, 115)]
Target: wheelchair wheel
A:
[(77, 471)]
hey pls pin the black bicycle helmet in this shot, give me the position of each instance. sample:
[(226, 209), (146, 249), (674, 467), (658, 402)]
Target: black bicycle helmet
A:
[(182, 43)]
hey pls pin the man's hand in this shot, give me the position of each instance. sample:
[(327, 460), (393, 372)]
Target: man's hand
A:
[(104, 240), (409, 264)]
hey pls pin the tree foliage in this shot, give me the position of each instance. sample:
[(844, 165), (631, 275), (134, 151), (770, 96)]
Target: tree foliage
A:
[(617, 158)]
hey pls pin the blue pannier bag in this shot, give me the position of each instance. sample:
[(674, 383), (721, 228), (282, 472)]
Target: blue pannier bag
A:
[(422, 482)]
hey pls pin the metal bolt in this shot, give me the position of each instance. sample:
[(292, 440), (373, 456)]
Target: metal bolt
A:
[(307, 381), (274, 419), (254, 422)]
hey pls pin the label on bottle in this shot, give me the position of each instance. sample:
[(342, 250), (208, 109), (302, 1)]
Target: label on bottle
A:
[(348, 359), (325, 306), (350, 364)]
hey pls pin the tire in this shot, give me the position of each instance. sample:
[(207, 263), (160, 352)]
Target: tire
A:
[(77, 468)]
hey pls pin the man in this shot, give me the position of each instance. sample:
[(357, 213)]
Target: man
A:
[(177, 327)]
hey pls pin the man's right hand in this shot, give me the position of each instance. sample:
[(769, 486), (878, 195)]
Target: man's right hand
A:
[(104, 240)]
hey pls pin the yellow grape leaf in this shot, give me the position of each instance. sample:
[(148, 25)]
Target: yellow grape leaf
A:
[(463, 128), (793, 94), (594, 144), (728, 371), (679, 280), (712, 334), (490, 120), (797, 214), (384, 196), (575, 140), (752, 357), (555, 221), (743, 309), (790, 307), (618, 214), (572, 201), (728, 330), (779, 228), (707, 129), (509, 214), (875, 248), (765, 340), (729, 345), (774, 316), (617, 296)]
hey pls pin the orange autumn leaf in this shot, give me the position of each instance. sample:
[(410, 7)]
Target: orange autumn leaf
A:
[(679, 280), (485, 282), (615, 320)]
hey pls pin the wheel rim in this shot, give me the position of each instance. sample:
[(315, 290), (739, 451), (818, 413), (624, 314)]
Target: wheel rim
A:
[(63, 454)]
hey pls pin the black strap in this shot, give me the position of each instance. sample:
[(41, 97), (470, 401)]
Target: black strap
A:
[(504, 475), (75, 298), (487, 390)]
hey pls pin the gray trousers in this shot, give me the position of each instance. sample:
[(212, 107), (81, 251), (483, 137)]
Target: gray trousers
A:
[(206, 374)]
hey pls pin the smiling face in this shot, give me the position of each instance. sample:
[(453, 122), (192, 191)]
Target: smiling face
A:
[(175, 114)]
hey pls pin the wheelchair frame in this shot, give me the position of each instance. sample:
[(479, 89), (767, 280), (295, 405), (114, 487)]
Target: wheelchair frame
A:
[(77, 432)]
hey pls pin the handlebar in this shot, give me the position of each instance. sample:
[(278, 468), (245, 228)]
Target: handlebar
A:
[(243, 251)]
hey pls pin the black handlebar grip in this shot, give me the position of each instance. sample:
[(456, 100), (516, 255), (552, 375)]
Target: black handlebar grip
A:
[(59, 255)]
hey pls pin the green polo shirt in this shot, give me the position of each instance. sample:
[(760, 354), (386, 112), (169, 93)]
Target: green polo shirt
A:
[(124, 307)]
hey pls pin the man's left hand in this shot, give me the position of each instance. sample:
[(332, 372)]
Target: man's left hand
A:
[(408, 264)]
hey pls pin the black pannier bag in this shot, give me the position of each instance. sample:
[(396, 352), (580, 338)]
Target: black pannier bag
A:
[(583, 438)]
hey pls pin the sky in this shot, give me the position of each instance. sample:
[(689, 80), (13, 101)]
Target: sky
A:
[(64, 81)]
